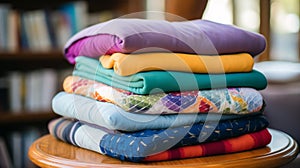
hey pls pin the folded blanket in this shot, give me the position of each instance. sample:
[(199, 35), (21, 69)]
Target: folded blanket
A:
[(226, 100), (165, 81), (140, 35), (125, 64), (249, 141), (148, 145), (113, 117)]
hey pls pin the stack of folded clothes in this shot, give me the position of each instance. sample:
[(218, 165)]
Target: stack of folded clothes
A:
[(152, 90)]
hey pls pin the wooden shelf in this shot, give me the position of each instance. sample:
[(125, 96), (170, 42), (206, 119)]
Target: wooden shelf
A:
[(32, 55), (8, 118), (29, 60)]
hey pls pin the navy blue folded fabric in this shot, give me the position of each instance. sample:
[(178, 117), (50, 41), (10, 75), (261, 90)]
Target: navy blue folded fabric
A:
[(134, 146)]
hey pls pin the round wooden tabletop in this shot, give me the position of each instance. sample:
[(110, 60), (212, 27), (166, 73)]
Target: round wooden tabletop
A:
[(50, 152)]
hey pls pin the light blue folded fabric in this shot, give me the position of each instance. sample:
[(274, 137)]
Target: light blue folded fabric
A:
[(113, 117), (165, 81)]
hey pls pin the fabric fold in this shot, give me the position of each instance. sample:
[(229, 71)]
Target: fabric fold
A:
[(224, 100), (148, 145), (113, 117), (123, 63), (142, 35), (165, 81), (250, 141)]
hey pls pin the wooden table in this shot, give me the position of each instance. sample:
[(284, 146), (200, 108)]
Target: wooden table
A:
[(49, 152)]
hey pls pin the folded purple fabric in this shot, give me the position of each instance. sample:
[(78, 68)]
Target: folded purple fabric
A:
[(140, 35)]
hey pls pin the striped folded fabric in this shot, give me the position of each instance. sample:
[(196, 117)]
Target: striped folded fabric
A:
[(224, 100), (237, 144), (166, 144)]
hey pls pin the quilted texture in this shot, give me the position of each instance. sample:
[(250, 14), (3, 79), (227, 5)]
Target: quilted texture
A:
[(115, 118), (224, 101)]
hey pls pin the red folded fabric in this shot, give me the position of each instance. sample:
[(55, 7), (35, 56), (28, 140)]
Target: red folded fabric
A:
[(231, 145)]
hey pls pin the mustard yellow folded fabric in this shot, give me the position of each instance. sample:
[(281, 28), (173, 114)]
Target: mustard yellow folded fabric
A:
[(128, 64)]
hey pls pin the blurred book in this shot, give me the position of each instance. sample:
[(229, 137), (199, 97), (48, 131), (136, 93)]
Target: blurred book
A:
[(4, 102), (41, 85), (28, 137), (16, 148), (5, 160), (4, 13), (16, 91)]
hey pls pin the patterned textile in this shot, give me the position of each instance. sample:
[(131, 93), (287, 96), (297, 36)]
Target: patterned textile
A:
[(122, 63), (142, 35), (226, 100), (231, 145), (147, 145), (165, 81), (115, 118)]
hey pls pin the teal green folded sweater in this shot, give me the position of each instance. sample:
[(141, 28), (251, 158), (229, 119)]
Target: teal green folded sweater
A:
[(165, 81)]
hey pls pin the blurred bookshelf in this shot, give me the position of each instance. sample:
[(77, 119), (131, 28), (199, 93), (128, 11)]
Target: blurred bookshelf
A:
[(26, 118), (30, 55), (32, 64)]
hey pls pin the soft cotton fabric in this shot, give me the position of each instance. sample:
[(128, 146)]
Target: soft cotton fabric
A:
[(250, 141), (141, 35), (148, 145), (115, 118), (225, 100), (165, 81), (129, 64)]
